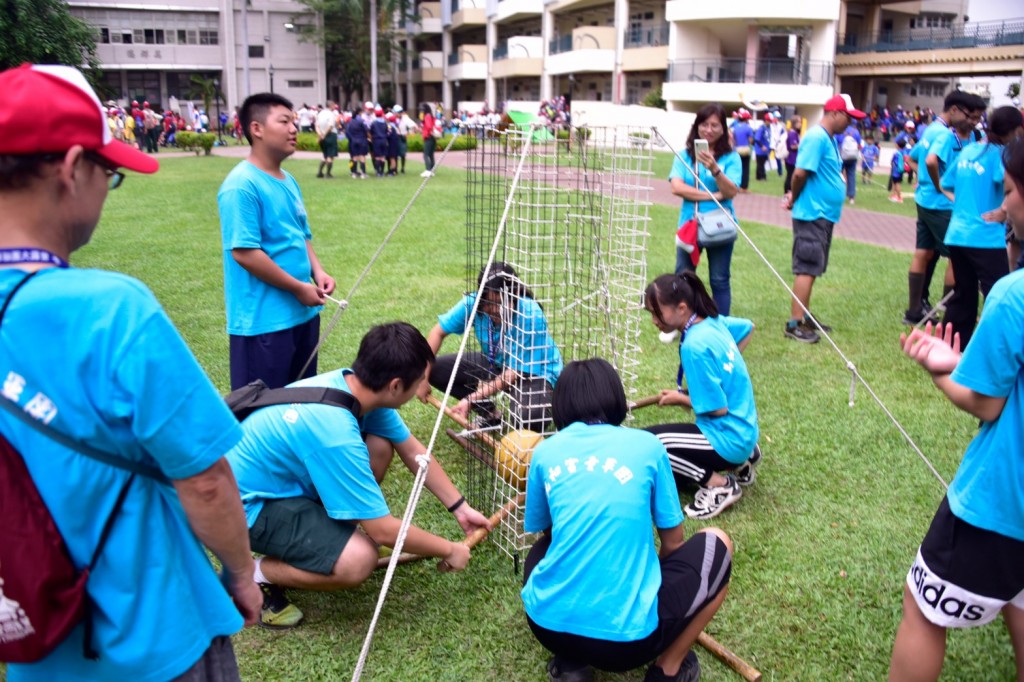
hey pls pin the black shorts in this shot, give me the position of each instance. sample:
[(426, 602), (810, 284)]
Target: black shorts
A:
[(275, 357), (931, 230), (691, 578), (329, 145), (812, 241), (298, 531), (963, 575)]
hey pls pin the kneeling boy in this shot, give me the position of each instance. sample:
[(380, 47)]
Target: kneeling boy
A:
[(309, 476)]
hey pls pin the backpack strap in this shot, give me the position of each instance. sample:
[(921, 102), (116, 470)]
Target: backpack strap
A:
[(302, 394), (89, 451)]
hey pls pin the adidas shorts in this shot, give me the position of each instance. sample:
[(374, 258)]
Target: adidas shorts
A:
[(963, 575)]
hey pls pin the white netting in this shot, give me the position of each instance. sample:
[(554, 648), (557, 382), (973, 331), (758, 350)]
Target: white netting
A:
[(576, 237)]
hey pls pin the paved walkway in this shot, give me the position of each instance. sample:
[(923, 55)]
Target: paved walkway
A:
[(880, 229)]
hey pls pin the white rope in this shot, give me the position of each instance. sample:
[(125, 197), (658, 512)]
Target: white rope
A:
[(856, 376), (423, 460), (403, 530), (342, 305)]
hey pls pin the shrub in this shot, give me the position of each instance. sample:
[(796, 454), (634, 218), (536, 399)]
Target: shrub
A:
[(654, 99), (308, 142), (462, 144), (191, 141)]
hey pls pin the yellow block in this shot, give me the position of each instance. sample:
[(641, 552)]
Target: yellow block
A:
[(512, 457)]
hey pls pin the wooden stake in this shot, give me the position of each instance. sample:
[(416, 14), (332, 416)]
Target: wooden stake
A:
[(486, 438), (471, 540), (746, 671)]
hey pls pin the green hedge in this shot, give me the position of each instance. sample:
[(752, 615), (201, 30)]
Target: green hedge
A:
[(308, 142), (195, 141)]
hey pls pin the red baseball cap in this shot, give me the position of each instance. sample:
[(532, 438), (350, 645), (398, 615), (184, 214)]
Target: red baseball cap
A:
[(72, 115), (844, 104)]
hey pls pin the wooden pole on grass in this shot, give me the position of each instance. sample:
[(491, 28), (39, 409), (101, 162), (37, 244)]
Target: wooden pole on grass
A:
[(471, 540)]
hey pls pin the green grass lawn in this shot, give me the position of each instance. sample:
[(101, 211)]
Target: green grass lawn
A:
[(823, 540)]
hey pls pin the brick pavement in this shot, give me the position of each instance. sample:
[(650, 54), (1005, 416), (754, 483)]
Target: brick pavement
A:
[(880, 229)]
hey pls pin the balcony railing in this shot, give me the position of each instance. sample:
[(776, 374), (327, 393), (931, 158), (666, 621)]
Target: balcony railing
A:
[(499, 53), (980, 34), (648, 36), (563, 44), (774, 71)]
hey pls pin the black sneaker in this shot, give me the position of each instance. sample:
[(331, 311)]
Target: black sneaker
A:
[(710, 501), (689, 671), (560, 670), (802, 334), (912, 319), (277, 613), (806, 323), (746, 473)]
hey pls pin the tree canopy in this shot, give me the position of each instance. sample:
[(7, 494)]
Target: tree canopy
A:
[(345, 37), (45, 32)]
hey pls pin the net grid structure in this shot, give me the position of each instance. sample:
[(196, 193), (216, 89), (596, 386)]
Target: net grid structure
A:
[(576, 236)]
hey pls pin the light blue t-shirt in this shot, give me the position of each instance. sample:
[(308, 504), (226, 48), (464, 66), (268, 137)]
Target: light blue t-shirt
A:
[(259, 211), (599, 488), (938, 139), (825, 189), (92, 354), (683, 169), (986, 491), (315, 451), (976, 178), (739, 328), (524, 344), (717, 377)]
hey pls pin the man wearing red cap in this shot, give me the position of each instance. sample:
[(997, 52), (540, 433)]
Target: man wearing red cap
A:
[(816, 200), (90, 355)]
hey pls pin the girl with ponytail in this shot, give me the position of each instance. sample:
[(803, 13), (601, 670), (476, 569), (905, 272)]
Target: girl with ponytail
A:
[(719, 391)]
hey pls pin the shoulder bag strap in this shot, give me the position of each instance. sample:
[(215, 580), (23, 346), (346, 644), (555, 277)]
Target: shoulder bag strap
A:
[(66, 441)]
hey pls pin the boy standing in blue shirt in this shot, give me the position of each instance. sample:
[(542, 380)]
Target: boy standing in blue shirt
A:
[(939, 145), (816, 200), (273, 307), (968, 567), (869, 157)]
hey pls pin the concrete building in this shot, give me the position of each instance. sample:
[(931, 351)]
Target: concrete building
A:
[(151, 49)]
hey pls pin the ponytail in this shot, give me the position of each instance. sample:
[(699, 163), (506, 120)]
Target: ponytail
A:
[(671, 290)]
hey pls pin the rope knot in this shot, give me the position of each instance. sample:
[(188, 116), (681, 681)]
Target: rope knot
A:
[(423, 460)]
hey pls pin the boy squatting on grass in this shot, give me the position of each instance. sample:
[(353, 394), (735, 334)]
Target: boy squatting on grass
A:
[(968, 568), (310, 476)]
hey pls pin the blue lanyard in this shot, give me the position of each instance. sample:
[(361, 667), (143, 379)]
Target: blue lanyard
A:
[(682, 337), (18, 255)]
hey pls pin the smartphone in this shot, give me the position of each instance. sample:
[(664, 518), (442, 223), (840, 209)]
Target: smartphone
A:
[(699, 146)]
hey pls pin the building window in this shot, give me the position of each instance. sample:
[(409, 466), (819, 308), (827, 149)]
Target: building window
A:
[(255, 51), (153, 36), (300, 84), (208, 37), (104, 36), (187, 37)]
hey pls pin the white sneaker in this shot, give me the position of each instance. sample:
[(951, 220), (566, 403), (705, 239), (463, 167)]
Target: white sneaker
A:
[(746, 473), (426, 174), (710, 502), (668, 337)]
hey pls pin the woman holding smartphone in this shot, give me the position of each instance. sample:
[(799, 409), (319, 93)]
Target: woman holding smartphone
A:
[(709, 156)]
